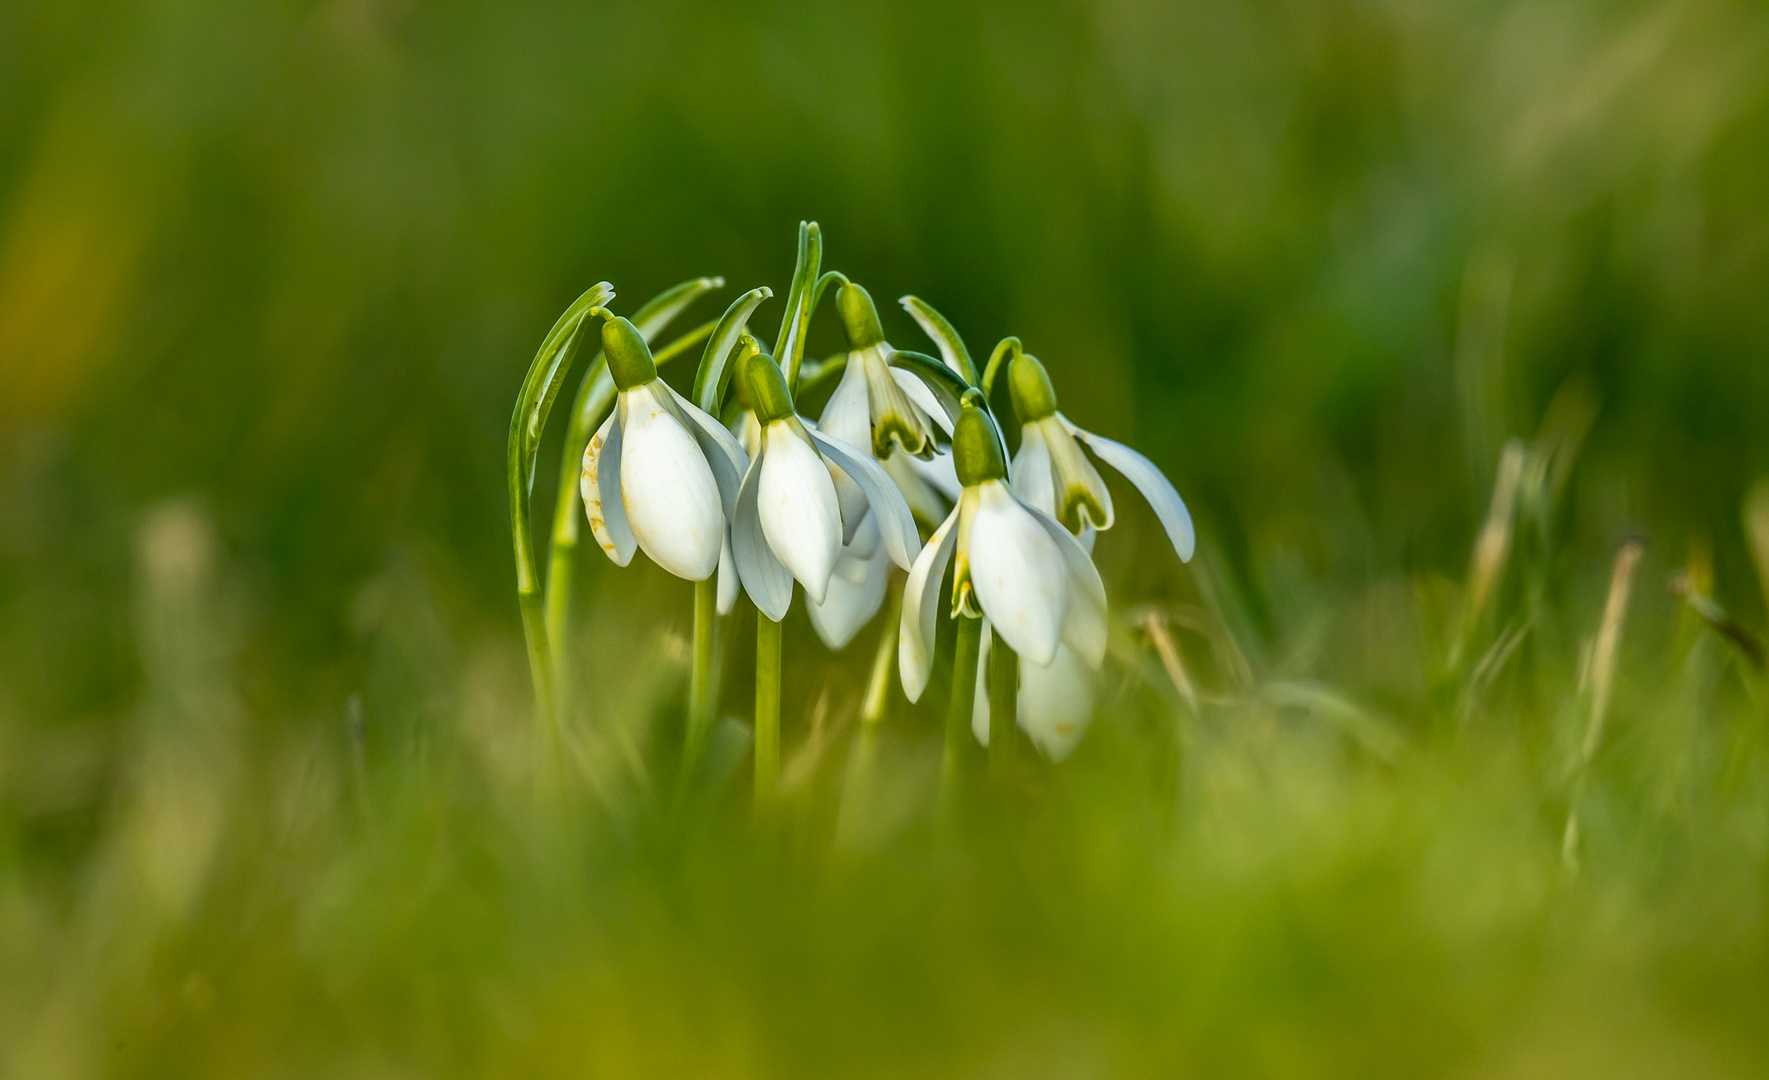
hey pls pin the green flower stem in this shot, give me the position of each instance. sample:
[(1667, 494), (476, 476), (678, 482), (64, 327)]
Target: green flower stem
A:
[(1009, 348), (700, 683), (1004, 687), (595, 396), (878, 686), (958, 713), (539, 388), (767, 749), (856, 792)]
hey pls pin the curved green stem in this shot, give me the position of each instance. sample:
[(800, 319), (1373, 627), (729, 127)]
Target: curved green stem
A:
[(789, 346), (830, 277), (1004, 689), (539, 389), (595, 396), (1008, 346), (767, 748), (939, 328)]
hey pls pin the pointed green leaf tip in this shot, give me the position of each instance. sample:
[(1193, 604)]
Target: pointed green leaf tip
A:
[(1029, 386), (859, 316), (976, 446), (765, 385), (629, 358)]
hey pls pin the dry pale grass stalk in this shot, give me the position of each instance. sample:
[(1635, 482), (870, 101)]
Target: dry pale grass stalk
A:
[(1155, 622), (1494, 543), (1602, 680)]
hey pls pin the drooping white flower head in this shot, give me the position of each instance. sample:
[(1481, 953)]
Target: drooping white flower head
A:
[(890, 414), (1051, 472), (660, 474), (804, 497), (1015, 565)]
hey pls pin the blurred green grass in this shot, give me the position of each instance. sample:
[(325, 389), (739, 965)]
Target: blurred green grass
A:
[(269, 275)]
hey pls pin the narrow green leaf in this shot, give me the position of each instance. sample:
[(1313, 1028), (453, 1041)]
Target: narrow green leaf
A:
[(789, 347), (936, 326), (714, 373)]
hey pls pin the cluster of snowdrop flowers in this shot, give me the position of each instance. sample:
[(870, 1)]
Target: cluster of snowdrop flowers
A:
[(737, 491), (1052, 474)]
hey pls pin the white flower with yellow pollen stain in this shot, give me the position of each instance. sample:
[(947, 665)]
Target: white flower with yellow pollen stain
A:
[(1015, 566), (1050, 472), (660, 475), (805, 496)]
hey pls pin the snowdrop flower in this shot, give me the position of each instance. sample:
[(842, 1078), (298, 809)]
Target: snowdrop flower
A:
[(805, 496), (660, 474), (1015, 565), (884, 409), (857, 584), (1052, 473)]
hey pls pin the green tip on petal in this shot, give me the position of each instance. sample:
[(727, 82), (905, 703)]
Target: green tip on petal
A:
[(765, 385), (629, 358), (976, 446), (1029, 386), (859, 316)]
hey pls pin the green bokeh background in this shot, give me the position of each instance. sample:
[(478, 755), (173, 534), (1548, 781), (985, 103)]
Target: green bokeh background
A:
[(285, 264)]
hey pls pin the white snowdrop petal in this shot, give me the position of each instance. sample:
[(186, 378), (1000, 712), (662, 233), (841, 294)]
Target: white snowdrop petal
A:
[(797, 505), (1030, 471), (923, 501), (896, 526), (920, 394), (921, 598), (942, 473), (601, 477), (849, 499), (1018, 573), (767, 582), (747, 430), (979, 713), (1148, 480), (1056, 702), (856, 592), (729, 582), (848, 415), (866, 541), (723, 452), (1084, 621), (671, 499)]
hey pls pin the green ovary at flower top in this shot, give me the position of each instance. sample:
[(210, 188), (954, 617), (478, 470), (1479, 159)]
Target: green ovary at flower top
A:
[(803, 498), (1051, 472), (660, 474), (1015, 566)]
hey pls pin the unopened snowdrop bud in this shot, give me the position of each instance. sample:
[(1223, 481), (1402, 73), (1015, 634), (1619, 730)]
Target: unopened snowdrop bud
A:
[(629, 358), (876, 406), (1029, 385), (1052, 473)]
